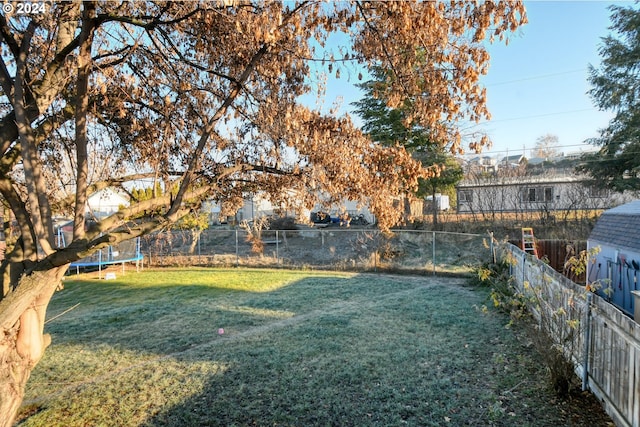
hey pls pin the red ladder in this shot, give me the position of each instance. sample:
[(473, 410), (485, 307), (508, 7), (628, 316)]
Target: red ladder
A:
[(529, 241)]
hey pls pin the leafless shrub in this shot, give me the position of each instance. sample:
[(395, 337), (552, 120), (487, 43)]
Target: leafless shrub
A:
[(254, 233)]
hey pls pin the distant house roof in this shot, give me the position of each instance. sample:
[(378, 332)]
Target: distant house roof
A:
[(520, 181), (483, 160), (619, 227), (515, 159), (536, 160)]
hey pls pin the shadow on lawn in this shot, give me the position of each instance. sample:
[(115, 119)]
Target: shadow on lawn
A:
[(171, 319), (421, 355), (368, 357), (277, 345)]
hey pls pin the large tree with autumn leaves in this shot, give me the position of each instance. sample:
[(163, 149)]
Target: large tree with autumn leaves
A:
[(204, 97)]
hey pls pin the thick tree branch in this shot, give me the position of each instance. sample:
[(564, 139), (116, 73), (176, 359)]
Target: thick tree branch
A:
[(5, 32), (209, 128), (112, 182), (231, 97), (33, 179), (16, 302), (82, 111), (6, 81), (20, 212), (146, 22), (11, 155), (270, 170), (56, 73), (123, 215)]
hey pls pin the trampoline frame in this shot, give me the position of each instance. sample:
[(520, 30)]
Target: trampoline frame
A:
[(138, 258)]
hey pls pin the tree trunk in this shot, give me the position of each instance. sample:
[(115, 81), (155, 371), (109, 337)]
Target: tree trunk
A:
[(195, 236), (23, 341), (407, 210)]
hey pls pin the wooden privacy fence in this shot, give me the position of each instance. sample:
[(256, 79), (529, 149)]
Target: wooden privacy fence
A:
[(602, 343), (557, 252)]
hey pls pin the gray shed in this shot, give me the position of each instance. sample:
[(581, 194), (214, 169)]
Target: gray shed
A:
[(617, 266)]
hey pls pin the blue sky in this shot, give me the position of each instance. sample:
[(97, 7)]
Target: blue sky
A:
[(537, 84)]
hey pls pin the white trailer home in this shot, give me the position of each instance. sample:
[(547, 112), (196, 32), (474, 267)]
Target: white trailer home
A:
[(487, 195)]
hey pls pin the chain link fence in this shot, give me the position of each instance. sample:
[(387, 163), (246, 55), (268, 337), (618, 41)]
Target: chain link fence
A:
[(334, 248)]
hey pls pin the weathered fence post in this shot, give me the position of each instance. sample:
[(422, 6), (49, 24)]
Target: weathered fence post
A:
[(636, 305), (376, 252), (100, 264), (587, 340), (491, 248), (237, 255), (375, 260), (503, 248), (433, 250)]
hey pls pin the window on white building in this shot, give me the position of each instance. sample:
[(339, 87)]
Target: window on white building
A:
[(465, 196), (597, 193), (538, 194)]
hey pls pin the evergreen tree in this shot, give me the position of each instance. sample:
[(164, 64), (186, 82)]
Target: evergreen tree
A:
[(616, 87), (449, 174), (390, 126)]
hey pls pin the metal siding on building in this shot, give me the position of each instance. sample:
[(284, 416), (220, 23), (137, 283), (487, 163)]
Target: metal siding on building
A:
[(619, 227)]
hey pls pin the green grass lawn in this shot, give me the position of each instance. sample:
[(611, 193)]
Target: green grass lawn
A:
[(298, 349)]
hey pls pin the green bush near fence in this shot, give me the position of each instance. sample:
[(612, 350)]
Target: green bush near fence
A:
[(518, 304)]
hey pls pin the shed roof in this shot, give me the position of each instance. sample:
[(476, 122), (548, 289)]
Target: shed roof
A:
[(516, 158), (619, 226)]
